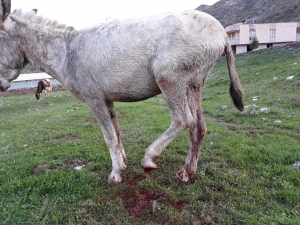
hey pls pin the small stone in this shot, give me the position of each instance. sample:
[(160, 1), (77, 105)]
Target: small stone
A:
[(253, 112), (296, 165), (5, 148), (154, 206), (264, 110), (223, 107), (78, 168), (290, 78)]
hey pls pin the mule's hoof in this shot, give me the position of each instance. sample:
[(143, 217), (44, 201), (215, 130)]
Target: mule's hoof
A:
[(148, 164), (114, 179), (182, 175)]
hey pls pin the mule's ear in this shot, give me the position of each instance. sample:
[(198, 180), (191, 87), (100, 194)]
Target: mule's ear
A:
[(4, 9), (34, 10)]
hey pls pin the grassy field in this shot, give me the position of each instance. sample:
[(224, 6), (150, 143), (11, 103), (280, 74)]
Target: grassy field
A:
[(244, 173)]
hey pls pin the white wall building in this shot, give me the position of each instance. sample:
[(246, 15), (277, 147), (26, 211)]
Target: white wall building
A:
[(31, 81)]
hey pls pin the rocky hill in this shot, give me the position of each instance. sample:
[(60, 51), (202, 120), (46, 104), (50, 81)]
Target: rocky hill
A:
[(258, 11)]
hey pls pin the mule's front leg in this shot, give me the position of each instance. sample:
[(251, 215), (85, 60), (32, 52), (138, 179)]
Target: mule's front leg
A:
[(106, 118), (197, 132)]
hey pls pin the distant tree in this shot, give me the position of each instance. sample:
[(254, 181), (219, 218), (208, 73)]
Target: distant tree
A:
[(254, 43)]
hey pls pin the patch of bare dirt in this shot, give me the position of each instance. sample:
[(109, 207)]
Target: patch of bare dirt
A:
[(43, 168), (77, 165)]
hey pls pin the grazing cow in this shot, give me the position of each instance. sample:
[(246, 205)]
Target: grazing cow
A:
[(45, 86), (125, 61), (48, 91)]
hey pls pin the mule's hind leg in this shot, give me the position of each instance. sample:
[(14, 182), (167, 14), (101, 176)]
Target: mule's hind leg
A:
[(197, 132), (117, 129), (181, 118), (106, 118)]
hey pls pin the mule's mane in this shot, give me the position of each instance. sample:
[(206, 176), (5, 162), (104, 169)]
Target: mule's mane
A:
[(26, 17)]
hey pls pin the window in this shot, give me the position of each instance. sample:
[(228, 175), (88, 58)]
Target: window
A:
[(273, 32), (234, 36), (252, 34)]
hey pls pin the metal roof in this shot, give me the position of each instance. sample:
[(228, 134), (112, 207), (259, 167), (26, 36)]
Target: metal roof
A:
[(32, 76)]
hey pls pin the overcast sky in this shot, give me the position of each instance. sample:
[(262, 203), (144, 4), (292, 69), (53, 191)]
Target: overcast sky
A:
[(85, 13)]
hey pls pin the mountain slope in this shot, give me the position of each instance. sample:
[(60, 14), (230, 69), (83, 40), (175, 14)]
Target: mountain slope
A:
[(260, 11)]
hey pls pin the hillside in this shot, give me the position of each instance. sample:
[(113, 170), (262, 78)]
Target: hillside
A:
[(260, 11)]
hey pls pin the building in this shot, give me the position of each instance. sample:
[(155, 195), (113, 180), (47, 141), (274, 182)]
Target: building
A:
[(268, 35), (31, 81)]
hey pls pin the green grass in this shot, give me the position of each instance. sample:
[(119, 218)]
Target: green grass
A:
[(244, 173)]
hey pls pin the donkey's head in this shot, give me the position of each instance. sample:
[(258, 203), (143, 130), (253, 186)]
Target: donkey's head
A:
[(12, 59), (40, 88)]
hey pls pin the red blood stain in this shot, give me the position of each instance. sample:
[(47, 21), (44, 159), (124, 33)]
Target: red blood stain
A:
[(148, 170), (140, 202)]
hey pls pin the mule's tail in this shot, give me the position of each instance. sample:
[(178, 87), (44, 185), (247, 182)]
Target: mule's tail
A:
[(236, 90)]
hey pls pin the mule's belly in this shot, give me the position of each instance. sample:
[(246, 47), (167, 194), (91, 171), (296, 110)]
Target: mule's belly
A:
[(134, 96), (132, 89)]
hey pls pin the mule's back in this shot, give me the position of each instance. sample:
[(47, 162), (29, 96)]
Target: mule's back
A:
[(126, 58)]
